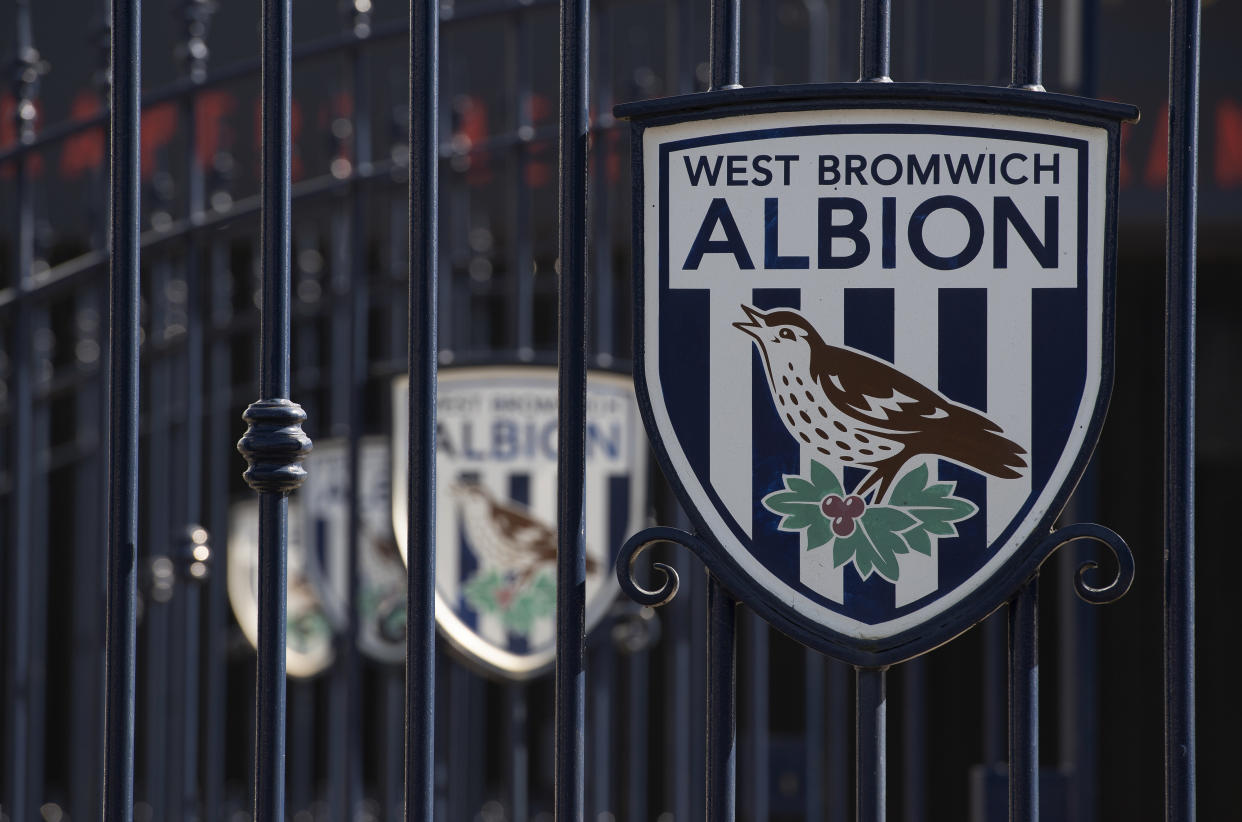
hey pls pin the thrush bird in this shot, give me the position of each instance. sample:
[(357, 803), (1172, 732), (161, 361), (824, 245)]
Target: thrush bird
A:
[(505, 534), (860, 411)]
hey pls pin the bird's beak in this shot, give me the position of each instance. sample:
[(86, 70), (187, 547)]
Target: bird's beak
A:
[(756, 322)]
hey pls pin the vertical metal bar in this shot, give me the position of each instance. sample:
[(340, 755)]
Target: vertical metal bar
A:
[(1027, 67), (420, 594), (721, 703), (118, 778), (681, 673), (724, 58), (814, 684), (275, 444), (603, 673), (1179, 414), (392, 732), (571, 429), (519, 763), (605, 333), (874, 37), (871, 728), (21, 497), (194, 545), (1024, 704), (36, 682), (914, 747), (1078, 686), (638, 702), (837, 785), (725, 44), (758, 666), (86, 727), (215, 680), (994, 688), (159, 583)]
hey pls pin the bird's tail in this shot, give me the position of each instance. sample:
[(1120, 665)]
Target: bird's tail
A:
[(989, 452)]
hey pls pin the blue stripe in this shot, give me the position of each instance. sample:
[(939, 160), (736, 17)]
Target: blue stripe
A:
[(1058, 373), (519, 492), (963, 369), (773, 453), (869, 319)]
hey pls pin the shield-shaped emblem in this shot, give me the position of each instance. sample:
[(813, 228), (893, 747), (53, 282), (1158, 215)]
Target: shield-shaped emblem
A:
[(309, 629), (875, 342), (496, 506), (322, 503)]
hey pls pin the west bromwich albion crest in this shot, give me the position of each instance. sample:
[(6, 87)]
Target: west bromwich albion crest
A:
[(875, 342), (496, 506)]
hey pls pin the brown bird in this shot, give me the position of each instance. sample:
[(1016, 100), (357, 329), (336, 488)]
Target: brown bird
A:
[(861, 411), (505, 534)]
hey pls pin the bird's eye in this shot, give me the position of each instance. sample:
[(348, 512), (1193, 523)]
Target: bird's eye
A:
[(787, 333)]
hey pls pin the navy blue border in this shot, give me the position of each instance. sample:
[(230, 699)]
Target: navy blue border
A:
[(1025, 561)]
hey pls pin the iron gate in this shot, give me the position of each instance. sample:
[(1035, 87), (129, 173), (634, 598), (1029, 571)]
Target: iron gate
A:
[(198, 343)]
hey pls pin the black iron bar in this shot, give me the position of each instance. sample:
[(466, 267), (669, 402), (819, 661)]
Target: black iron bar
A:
[(36, 682), (914, 745), (603, 698), (215, 680), (18, 613), (192, 564), (1179, 412), (1027, 68), (120, 664), (571, 413), (274, 444), (725, 44), (837, 754), (359, 304), (871, 731), (814, 684), (605, 337), (420, 670), (519, 762), (158, 582), (1078, 685), (637, 712), (995, 667), (757, 667), (1024, 704), (874, 38), (724, 59), (86, 727), (681, 669), (721, 703)]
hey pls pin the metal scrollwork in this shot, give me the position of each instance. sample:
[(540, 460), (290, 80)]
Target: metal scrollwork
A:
[(1116, 588), (639, 543)]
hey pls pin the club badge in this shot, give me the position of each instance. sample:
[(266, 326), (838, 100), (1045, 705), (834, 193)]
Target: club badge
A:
[(496, 495), (875, 345)]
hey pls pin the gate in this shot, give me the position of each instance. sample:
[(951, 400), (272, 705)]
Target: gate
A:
[(120, 405)]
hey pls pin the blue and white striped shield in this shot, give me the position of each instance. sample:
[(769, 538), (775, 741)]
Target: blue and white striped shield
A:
[(875, 350), (496, 476)]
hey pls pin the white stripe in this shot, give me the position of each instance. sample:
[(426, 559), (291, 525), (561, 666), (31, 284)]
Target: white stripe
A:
[(730, 434), (1009, 397), (916, 330), (815, 570)]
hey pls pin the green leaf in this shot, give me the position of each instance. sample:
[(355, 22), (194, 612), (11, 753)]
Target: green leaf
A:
[(909, 490), (826, 482), (881, 554), (891, 520), (918, 540), (843, 551), (818, 534), (803, 488), (783, 502)]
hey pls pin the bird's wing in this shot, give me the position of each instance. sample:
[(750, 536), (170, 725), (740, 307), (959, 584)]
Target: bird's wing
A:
[(874, 392), (525, 530)]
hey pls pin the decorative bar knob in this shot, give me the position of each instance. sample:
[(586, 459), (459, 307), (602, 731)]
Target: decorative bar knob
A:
[(275, 446)]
